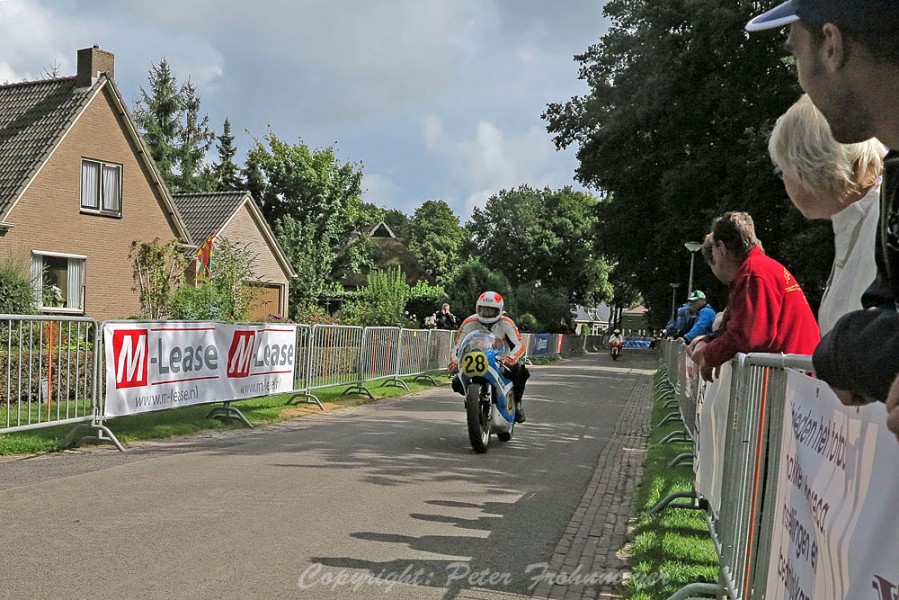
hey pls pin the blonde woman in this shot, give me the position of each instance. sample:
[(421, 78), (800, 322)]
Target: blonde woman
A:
[(838, 182)]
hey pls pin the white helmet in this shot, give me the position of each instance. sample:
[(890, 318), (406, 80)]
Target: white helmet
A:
[(489, 307)]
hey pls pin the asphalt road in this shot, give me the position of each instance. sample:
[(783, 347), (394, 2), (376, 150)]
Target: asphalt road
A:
[(384, 500)]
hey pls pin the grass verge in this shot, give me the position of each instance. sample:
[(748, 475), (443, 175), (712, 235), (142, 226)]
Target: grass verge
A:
[(673, 548), (192, 419)]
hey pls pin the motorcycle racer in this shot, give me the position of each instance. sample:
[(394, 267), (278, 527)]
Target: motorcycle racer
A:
[(489, 317)]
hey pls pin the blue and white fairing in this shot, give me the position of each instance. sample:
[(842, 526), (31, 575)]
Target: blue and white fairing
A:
[(480, 354)]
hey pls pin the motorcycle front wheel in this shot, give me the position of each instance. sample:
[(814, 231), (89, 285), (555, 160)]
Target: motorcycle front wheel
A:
[(478, 417)]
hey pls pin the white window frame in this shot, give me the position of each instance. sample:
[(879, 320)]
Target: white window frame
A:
[(76, 273), (102, 200)]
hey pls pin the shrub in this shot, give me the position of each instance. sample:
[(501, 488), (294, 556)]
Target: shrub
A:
[(16, 291), (382, 302), (202, 303)]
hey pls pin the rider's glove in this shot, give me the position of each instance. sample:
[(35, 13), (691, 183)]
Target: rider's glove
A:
[(453, 367), (507, 360)]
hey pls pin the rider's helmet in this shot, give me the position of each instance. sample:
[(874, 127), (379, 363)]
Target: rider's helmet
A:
[(617, 332), (489, 307)]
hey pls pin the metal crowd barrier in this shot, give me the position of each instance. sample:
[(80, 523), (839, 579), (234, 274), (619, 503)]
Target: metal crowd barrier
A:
[(47, 371), (412, 356), (334, 357), (302, 381), (440, 347), (53, 369), (741, 529), (378, 359)]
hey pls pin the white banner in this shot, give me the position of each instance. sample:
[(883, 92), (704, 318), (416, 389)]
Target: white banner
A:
[(156, 366), (836, 534), (711, 423)]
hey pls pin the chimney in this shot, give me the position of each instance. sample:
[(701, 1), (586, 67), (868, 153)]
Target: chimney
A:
[(92, 62)]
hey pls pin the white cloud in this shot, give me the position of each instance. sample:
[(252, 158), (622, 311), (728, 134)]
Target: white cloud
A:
[(440, 99), (379, 190), (487, 160)]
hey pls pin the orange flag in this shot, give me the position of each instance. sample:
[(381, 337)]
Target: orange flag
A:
[(204, 259)]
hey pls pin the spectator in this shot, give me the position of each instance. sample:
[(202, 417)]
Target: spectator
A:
[(682, 323), (838, 182), (705, 316), (766, 309), (445, 319), (847, 59)]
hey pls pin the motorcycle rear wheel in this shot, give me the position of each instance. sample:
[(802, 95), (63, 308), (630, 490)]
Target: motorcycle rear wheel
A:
[(478, 417)]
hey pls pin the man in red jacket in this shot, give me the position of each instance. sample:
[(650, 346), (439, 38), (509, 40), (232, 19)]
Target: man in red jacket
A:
[(766, 309)]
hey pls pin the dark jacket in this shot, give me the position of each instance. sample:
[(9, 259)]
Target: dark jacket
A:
[(861, 353), (446, 320)]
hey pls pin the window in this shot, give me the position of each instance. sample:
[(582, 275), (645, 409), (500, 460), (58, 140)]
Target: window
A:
[(58, 281), (101, 187)]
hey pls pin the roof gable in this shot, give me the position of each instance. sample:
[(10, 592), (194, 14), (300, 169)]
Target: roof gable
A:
[(206, 213), (34, 117)]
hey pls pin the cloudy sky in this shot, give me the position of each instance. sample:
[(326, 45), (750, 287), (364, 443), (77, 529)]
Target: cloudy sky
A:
[(438, 99)]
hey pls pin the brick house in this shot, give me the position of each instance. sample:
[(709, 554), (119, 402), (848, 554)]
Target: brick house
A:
[(234, 216), (78, 186)]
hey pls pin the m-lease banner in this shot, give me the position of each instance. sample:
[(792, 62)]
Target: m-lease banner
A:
[(712, 409), (162, 365), (835, 532)]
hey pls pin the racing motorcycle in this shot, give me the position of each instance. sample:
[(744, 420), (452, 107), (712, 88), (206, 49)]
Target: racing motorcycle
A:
[(489, 399), (615, 349)]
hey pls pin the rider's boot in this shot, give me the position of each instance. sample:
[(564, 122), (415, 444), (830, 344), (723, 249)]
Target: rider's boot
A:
[(457, 386), (519, 412)]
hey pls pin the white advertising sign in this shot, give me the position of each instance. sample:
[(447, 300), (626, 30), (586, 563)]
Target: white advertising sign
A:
[(156, 366), (836, 534), (711, 423)]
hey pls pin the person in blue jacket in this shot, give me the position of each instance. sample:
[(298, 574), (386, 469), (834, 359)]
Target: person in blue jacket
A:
[(705, 316)]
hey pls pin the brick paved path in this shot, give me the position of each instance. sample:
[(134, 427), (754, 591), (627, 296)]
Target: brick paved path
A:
[(598, 528)]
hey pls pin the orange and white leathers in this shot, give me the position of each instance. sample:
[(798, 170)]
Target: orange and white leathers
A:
[(504, 329)]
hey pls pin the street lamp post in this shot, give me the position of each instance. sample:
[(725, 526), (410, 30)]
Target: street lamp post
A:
[(692, 247), (674, 287)]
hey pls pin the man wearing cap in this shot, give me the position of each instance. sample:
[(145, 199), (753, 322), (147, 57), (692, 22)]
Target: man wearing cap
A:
[(767, 310), (705, 316), (847, 59)]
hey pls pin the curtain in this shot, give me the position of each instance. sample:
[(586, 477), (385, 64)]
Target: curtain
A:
[(75, 287), (111, 192), (37, 278), (90, 181)]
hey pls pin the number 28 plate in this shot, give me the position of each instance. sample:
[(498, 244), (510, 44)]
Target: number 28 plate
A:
[(474, 364)]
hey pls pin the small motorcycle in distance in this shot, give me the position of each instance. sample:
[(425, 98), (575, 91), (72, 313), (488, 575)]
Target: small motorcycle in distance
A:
[(489, 399), (615, 349)]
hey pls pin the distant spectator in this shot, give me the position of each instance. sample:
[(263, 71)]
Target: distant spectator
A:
[(705, 316), (837, 182), (445, 319), (766, 309)]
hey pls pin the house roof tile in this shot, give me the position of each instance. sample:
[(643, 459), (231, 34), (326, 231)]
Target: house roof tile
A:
[(206, 212), (33, 117)]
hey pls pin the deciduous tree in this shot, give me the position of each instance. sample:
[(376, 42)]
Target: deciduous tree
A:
[(435, 237), (673, 132)]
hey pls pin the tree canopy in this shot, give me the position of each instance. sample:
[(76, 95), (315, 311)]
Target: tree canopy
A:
[(176, 132), (673, 133), (435, 237), (543, 238), (310, 197)]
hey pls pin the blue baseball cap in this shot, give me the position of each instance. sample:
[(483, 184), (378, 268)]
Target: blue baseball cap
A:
[(878, 15)]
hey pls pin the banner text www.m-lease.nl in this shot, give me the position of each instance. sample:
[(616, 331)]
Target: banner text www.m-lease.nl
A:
[(160, 365)]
